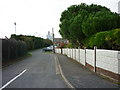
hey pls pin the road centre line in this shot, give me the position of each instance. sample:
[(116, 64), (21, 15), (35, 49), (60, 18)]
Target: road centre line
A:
[(13, 79)]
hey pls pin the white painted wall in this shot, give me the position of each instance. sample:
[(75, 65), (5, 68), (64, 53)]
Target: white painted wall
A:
[(78, 55), (63, 51), (118, 62), (105, 59), (90, 57), (74, 54), (71, 53), (82, 56)]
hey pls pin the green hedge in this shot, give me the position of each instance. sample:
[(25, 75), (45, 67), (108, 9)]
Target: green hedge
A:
[(18, 46), (106, 40), (32, 41), (12, 49)]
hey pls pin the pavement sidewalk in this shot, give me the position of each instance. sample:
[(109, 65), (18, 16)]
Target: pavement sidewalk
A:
[(81, 77)]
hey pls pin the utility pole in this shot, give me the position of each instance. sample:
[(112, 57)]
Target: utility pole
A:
[(119, 8), (53, 41), (15, 27)]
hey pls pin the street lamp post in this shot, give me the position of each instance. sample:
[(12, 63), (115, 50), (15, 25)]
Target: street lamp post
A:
[(15, 27)]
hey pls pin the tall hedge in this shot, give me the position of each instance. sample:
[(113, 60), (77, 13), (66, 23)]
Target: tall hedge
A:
[(32, 41), (12, 49)]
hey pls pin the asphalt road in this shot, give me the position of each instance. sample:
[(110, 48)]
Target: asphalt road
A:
[(38, 71)]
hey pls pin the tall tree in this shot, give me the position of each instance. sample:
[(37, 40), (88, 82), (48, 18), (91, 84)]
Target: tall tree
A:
[(81, 21)]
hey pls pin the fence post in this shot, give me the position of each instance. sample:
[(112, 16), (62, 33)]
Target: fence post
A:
[(55, 50), (79, 54), (67, 52), (75, 54), (61, 51), (72, 53), (85, 55), (95, 58)]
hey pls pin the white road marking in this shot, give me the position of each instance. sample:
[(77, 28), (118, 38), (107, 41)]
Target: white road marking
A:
[(56, 66), (13, 79)]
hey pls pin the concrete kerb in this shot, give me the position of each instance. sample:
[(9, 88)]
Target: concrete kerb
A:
[(63, 76)]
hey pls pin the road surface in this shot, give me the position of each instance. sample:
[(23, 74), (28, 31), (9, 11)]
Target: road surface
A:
[(38, 71)]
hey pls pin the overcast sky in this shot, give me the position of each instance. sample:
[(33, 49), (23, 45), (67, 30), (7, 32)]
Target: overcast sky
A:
[(39, 16)]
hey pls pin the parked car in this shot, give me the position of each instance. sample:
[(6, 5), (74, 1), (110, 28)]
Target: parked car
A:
[(50, 48)]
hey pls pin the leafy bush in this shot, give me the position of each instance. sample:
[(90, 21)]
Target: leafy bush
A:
[(106, 40)]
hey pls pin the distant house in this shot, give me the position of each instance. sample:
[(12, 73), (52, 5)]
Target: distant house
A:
[(59, 41)]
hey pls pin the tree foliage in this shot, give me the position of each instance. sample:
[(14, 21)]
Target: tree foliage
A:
[(100, 21), (79, 22), (105, 39)]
